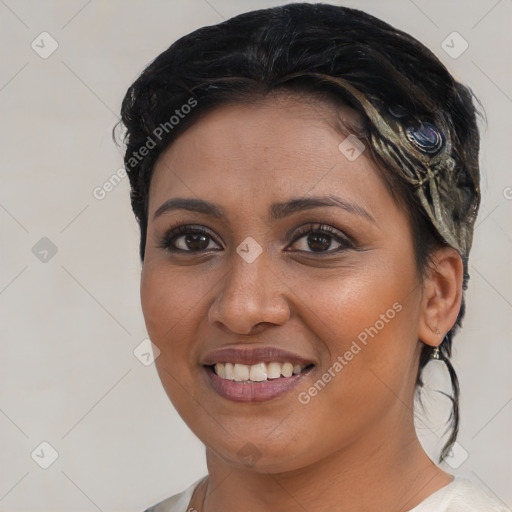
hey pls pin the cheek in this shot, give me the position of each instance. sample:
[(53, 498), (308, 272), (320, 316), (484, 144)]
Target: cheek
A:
[(170, 307), (164, 313), (167, 297), (348, 302), (366, 319), (174, 306)]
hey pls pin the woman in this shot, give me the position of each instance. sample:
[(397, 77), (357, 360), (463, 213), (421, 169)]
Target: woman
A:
[(306, 183)]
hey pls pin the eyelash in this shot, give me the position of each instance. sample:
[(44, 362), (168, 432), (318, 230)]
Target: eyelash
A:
[(175, 231)]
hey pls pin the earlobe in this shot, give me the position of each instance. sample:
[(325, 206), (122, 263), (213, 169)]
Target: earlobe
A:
[(442, 295)]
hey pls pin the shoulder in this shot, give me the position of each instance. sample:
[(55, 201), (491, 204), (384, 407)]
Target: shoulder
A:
[(461, 495), (178, 502)]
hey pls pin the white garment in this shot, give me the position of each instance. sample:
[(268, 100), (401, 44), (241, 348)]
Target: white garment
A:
[(461, 495)]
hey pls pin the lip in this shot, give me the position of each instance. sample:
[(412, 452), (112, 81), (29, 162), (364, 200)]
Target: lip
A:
[(253, 391), (249, 355), (253, 355)]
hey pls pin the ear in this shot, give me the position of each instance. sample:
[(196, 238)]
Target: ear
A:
[(442, 295)]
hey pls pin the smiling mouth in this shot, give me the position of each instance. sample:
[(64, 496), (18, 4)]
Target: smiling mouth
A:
[(260, 372)]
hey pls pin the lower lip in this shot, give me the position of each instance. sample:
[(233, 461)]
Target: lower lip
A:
[(253, 391)]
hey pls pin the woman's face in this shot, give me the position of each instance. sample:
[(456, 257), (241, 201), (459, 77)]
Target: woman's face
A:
[(293, 257)]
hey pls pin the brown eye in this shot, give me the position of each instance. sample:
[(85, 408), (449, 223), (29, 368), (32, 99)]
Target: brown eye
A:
[(321, 239), (316, 242), (188, 239), (192, 242)]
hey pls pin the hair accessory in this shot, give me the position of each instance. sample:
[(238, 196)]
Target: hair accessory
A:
[(419, 147), (426, 137), (435, 354)]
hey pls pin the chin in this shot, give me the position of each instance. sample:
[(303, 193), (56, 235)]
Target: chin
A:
[(257, 452)]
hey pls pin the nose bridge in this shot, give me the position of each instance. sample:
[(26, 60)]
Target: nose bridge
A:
[(250, 292)]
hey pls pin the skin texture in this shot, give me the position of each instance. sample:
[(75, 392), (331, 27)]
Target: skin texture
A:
[(353, 446)]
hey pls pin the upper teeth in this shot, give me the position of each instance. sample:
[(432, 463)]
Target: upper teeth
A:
[(256, 372)]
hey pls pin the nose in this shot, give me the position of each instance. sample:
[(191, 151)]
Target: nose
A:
[(250, 294)]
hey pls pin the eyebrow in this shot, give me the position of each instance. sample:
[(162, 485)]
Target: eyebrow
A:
[(276, 211)]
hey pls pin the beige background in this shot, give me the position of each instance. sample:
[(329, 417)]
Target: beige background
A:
[(69, 325)]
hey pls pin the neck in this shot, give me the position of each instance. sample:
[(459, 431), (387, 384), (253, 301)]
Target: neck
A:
[(382, 473)]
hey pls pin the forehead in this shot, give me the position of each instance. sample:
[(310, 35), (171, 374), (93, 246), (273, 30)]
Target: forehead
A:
[(268, 117), (282, 145)]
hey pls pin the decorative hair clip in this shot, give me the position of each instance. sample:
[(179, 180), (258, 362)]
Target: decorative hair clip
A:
[(435, 175), (426, 137)]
